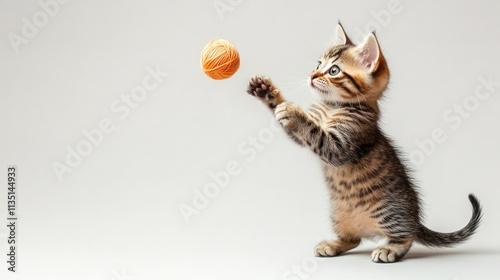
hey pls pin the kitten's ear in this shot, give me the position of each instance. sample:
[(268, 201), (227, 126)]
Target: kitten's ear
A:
[(340, 36), (369, 52)]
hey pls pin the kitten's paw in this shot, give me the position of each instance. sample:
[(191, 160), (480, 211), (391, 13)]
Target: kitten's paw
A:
[(385, 255), (263, 88), (326, 249), (331, 248), (289, 115)]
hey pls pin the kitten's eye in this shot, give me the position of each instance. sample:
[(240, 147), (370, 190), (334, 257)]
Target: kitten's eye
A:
[(334, 71)]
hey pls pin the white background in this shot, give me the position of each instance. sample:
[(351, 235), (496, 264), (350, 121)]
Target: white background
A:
[(116, 215)]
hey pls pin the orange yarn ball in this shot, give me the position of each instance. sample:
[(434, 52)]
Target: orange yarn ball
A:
[(220, 59)]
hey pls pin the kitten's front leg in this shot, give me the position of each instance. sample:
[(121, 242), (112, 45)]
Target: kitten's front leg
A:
[(263, 88), (293, 119), (332, 248)]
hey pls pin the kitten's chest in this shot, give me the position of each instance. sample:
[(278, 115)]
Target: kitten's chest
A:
[(326, 116), (352, 205), (353, 188)]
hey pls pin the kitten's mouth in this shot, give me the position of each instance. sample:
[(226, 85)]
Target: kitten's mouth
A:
[(318, 89)]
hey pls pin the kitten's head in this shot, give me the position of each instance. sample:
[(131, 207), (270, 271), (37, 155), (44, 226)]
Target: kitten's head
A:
[(351, 73)]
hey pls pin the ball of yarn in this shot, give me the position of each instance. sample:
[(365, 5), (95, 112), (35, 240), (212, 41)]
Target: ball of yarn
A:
[(220, 59)]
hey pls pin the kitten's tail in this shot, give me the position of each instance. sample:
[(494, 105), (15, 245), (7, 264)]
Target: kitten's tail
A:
[(431, 238)]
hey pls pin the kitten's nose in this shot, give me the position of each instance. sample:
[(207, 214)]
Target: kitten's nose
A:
[(314, 75)]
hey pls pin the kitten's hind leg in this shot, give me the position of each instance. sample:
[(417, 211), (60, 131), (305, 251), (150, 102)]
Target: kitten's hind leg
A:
[(331, 248), (263, 88), (393, 251)]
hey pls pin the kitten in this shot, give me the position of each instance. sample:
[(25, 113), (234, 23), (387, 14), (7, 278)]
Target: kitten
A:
[(370, 190)]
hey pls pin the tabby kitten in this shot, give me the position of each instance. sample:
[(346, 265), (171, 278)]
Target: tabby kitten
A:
[(370, 190)]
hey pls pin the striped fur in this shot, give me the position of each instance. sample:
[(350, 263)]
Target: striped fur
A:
[(370, 189)]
